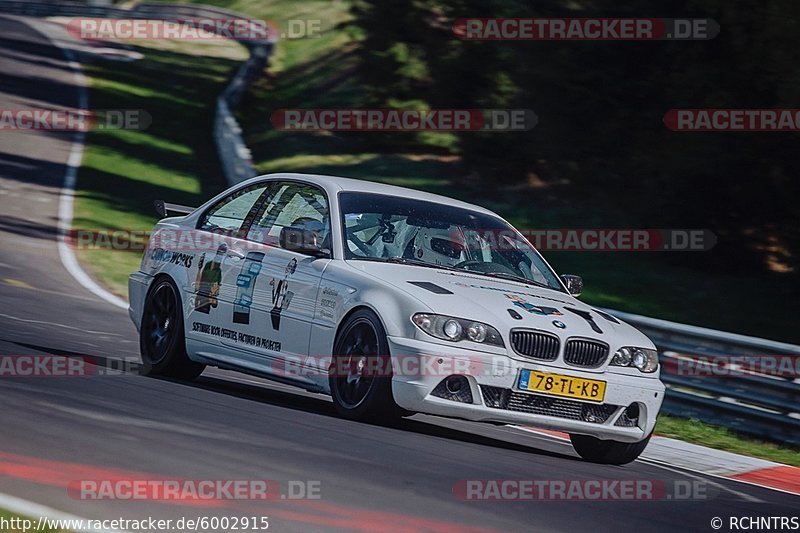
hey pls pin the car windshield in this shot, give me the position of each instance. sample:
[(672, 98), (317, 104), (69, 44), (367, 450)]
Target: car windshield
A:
[(388, 228)]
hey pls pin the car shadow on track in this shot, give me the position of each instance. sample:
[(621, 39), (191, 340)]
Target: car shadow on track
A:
[(321, 405)]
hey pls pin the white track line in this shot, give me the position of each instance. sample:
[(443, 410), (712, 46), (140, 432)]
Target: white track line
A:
[(36, 512), (67, 198), (65, 204), (667, 466)]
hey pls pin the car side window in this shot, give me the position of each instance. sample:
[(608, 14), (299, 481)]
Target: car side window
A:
[(229, 215), (290, 205)]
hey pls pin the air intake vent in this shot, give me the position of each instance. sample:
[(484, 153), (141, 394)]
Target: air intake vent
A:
[(535, 344), (499, 398)]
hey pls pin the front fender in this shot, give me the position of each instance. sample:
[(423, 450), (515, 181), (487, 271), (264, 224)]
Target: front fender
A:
[(344, 289)]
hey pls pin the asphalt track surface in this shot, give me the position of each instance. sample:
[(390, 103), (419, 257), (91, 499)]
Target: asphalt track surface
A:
[(225, 426)]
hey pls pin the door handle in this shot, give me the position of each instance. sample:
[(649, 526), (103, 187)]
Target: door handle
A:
[(235, 253)]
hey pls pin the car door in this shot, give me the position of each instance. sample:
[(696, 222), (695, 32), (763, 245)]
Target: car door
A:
[(276, 297), (218, 232)]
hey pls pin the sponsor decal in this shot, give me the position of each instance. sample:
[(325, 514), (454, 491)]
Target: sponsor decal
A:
[(239, 337), (160, 255), (531, 308), (498, 289), (281, 296), (330, 291), (208, 281), (245, 285)]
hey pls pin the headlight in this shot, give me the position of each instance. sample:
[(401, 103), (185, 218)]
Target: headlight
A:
[(457, 329), (644, 359)]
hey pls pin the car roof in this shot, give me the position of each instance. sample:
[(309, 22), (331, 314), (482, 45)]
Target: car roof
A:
[(334, 184)]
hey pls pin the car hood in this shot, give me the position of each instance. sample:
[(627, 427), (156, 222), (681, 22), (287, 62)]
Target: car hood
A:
[(504, 304)]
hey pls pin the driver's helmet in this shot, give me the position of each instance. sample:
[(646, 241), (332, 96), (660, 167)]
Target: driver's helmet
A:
[(439, 246)]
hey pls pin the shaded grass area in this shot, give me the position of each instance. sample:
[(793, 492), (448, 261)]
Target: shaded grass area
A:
[(721, 438), (174, 159)]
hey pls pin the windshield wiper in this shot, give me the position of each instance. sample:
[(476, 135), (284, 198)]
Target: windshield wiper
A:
[(407, 261), (418, 262), (512, 277)]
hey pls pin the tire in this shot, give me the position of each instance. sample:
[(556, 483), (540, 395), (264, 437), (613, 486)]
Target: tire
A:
[(362, 391), (161, 336), (607, 452)]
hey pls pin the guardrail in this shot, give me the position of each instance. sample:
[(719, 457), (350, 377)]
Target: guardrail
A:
[(710, 377), (234, 155)]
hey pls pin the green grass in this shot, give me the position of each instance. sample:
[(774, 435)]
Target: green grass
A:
[(9, 516), (721, 438), (174, 159)]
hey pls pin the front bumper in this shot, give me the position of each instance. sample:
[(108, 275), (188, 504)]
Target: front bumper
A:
[(497, 398)]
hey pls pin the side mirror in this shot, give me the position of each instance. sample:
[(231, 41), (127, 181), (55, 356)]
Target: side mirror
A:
[(303, 241), (573, 283)]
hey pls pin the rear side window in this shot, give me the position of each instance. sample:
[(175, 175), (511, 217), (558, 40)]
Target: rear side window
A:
[(228, 216), (291, 205)]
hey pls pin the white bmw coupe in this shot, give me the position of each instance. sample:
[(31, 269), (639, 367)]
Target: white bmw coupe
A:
[(392, 301)]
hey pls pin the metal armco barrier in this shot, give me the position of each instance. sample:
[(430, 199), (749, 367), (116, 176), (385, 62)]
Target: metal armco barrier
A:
[(762, 404)]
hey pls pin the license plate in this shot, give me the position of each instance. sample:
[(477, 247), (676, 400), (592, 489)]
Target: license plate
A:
[(559, 385)]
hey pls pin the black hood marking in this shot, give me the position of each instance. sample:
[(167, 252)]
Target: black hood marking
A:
[(514, 314), (586, 315), (606, 316), (427, 285)]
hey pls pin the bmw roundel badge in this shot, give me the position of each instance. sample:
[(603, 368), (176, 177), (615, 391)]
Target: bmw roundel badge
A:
[(559, 324)]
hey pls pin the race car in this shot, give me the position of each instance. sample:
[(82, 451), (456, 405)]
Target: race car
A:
[(392, 301)]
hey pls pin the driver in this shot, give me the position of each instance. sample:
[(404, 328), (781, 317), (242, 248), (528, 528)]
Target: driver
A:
[(440, 246)]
